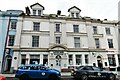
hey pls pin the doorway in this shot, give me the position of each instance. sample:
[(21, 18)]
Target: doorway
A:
[(99, 61), (58, 62)]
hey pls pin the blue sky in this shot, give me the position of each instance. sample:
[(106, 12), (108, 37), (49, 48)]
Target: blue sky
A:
[(101, 9)]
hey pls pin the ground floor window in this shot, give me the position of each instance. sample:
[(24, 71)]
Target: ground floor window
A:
[(23, 59), (111, 59), (86, 59), (70, 59), (78, 60), (119, 59), (45, 60), (34, 59)]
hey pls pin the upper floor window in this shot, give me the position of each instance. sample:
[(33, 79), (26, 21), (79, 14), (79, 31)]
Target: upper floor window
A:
[(57, 40), (57, 27), (77, 15), (95, 29), (107, 30), (34, 12), (11, 40), (35, 41), (97, 43), (76, 28), (77, 42), (36, 26), (72, 15), (39, 12), (110, 43), (13, 24)]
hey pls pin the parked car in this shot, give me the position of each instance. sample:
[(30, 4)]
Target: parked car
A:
[(116, 71), (34, 71), (91, 72)]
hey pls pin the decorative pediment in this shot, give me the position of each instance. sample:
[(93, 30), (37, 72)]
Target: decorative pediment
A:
[(37, 6), (74, 9), (58, 47)]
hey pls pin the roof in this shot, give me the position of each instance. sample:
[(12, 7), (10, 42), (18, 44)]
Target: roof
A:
[(37, 4), (74, 7)]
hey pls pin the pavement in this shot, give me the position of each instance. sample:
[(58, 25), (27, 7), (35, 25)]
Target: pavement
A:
[(13, 75)]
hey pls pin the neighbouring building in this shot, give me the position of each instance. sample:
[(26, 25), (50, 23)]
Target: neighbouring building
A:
[(8, 23), (60, 41)]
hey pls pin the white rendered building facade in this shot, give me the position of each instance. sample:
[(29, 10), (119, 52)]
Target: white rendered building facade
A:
[(60, 41)]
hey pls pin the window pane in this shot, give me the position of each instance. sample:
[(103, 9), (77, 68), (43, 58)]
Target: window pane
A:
[(95, 29), (35, 41), (111, 60), (11, 40), (97, 42), (36, 26), (110, 43), (76, 28), (57, 40), (13, 24), (70, 59), (77, 42), (34, 12), (78, 59), (107, 30), (57, 27), (39, 12), (86, 59)]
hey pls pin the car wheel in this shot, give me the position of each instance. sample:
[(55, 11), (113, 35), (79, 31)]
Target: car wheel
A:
[(24, 77), (53, 77), (112, 77), (84, 77)]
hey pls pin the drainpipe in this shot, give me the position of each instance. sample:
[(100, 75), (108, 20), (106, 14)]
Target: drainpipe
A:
[(3, 59)]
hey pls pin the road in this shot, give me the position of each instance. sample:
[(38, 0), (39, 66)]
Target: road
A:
[(64, 78)]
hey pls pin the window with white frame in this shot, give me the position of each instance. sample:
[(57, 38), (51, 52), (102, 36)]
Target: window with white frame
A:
[(39, 12), (77, 42), (86, 59), (57, 40), (111, 60), (77, 15), (36, 26), (70, 59), (95, 29), (78, 60), (57, 27), (13, 24), (107, 30), (110, 43), (34, 12), (11, 40), (72, 15), (97, 42), (35, 41), (76, 28)]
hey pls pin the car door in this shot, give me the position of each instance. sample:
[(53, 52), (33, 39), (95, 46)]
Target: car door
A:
[(43, 72), (98, 73)]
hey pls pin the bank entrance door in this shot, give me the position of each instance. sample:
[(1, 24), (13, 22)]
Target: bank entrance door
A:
[(58, 62)]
